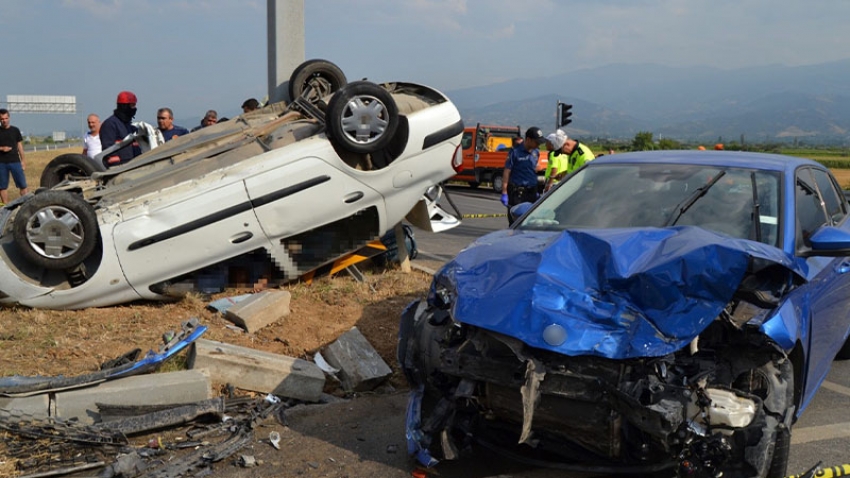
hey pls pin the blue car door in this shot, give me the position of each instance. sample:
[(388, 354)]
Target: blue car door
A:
[(818, 202)]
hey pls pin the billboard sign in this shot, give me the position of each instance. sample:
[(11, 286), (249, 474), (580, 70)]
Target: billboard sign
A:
[(41, 104)]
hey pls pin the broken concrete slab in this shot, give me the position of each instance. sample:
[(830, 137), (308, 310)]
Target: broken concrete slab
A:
[(258, 371), (35, 405), (259, 310), (151, 389), (361, 368)]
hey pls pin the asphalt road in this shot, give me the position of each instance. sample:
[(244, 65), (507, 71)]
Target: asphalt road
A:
[(821, 434)]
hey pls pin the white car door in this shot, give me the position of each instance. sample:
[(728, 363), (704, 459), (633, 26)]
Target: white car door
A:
[(173, 238), (313, 212)]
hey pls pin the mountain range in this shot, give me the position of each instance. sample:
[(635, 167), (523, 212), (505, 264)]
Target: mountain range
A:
[(759, 104)]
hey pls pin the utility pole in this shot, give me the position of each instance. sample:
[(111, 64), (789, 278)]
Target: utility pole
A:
[(285, 38)]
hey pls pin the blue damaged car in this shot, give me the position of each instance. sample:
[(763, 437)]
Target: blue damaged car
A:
[(657, 312)]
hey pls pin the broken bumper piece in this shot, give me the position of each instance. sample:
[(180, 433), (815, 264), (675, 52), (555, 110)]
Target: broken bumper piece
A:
[(22, 386)]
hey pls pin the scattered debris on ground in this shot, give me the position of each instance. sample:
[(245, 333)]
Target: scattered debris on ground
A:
[(54, 349)]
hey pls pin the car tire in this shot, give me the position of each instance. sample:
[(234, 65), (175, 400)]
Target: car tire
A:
[(473, 184), (497, 182), (56, 230), (774, 383), (62, 167), (844, 353), (781, 451), (362, 118), (325, 78)]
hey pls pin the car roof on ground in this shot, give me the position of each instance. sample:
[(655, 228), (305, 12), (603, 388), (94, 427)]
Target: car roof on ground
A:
[(771, 162)]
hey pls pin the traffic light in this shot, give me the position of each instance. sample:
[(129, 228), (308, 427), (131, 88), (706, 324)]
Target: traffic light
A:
[(564, 114)]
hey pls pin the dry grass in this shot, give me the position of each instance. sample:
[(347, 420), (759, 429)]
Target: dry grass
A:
[(52, 342)]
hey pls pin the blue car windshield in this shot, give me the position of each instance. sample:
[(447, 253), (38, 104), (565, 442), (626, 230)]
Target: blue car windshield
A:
[(742, 203)]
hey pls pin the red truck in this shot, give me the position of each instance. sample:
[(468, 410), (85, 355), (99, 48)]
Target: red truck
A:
[(485, 149)]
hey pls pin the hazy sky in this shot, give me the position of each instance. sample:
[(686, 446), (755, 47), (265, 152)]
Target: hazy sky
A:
[(193, 55)]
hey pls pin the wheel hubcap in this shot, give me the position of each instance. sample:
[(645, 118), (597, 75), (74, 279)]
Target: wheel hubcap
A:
[(364, 119), (55, 232)]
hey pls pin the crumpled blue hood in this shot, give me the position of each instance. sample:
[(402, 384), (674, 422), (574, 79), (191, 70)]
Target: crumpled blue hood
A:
[(616, 293)]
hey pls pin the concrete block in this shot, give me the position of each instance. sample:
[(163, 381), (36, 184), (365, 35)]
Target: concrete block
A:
[(361, 368), (35, 405), (259, 310), (257, 371), (151, 389)]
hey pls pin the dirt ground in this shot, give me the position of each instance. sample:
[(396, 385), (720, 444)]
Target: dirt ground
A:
[(45, 342)]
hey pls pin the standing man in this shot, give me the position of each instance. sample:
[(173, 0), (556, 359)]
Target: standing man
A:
[(165, 123), (11, 157), (116, 127), (91, 143), (519, 180)]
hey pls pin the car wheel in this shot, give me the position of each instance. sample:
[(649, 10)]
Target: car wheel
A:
[(68, 165), (362, 117), (497, 182), (844, 353), (473, 184), (773, 382), (323, 76), (56, 230)]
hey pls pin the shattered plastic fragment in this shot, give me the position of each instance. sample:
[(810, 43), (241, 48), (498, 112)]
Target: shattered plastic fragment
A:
[(274, 438)]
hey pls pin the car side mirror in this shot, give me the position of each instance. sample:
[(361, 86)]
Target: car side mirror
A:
[(519, 210), (829, 241)]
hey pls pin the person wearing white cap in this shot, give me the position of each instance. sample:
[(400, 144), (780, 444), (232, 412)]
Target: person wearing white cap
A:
[(554, 142), (577, 153)]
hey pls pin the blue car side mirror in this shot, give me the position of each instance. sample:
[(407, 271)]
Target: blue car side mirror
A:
[(520, 209), (830, 241)]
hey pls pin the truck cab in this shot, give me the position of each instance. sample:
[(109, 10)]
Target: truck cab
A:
[(485, 150)]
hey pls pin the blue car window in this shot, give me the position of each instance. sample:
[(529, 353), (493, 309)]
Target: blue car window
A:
[(833, 200), (810, 213), (660, 195)]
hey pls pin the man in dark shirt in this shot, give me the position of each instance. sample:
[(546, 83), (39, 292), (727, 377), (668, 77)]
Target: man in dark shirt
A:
[(165, 123), (116, 127), (519, 180), (11, 157)]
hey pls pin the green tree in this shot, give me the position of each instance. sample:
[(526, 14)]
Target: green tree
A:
[(667, 143), (643, 141)]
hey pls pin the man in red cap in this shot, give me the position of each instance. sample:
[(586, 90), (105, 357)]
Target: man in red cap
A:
[(116, 127)]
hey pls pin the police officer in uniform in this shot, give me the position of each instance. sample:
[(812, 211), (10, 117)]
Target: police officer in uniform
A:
[(519, 180), (577, 154)]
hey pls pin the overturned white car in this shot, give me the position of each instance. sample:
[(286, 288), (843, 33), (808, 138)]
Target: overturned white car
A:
[(303, 183)]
